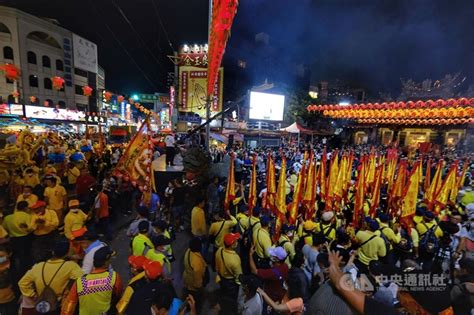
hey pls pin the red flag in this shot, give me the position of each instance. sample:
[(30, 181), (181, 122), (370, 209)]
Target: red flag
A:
[(359, 193), (230, 189), (426, 186)]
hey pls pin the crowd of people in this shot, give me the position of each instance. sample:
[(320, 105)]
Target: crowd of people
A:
[(56, 254)]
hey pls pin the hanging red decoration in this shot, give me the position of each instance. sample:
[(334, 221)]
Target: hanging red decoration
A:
[(87, 90), (58, 83), (107, 96), (11, 71), (223, 13)]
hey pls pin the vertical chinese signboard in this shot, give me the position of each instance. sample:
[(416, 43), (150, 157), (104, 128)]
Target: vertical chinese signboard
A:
[(192, 94)]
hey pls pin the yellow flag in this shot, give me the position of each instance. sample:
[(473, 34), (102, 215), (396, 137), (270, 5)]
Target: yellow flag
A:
[(230, 189), (450, 182), (309, 197), (332, 179), (360, 192), (295, 203), (322, 176), (435, 185), (410, 194), (371, 171), (280, 201), (271, 185)]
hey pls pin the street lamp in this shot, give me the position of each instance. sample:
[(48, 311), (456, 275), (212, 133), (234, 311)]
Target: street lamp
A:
[(135, 97)]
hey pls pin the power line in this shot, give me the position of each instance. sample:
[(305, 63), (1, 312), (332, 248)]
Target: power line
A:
[(123, 47), (140, 39), (157, 12)]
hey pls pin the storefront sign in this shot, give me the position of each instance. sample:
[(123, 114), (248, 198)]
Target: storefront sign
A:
[(189, 118), (93, 118), (39, 112)]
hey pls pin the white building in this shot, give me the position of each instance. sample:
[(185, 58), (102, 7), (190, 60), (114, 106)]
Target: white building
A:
[(42, 49)]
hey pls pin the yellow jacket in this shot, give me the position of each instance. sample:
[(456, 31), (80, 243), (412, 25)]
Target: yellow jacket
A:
[(32, 282), (50, 223), (74, 221), (390, 234), (218, 232), (423, 227), (194, 269), (262, 242), (371, 250), (198, 222)]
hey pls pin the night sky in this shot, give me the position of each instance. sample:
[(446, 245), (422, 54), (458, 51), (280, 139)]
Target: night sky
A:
[(369, 43)]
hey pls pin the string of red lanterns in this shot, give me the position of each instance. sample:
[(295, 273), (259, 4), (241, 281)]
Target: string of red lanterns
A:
[(460, 102), (435, 121)]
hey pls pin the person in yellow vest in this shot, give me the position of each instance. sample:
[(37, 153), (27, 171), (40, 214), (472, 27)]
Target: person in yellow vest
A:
[(391, 236), (418, 217), (31, 177), (194, 273), (44, 224), (28, 196), (306, 231), (74, 219), (229, 269), (72, 174), (141, 243), (221, 227), (286, 242), (198, 219), (160, 227), (326, 226), (56, 272), (371, 245), (158, 253), (55, 196), (242, 219), (262, 242), (18, 227), (427, 223), (141, 290), (96, 292)]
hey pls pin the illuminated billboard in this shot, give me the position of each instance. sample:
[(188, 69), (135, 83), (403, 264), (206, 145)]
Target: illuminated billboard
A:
[(266, 106), (54, 113)]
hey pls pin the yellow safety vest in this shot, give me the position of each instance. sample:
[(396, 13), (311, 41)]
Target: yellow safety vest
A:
[(95, 292)]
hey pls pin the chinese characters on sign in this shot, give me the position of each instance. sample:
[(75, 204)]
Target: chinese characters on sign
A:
[(94, 118)]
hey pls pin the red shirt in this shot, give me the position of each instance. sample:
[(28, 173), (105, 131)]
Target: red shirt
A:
[(83, 183), (273, 281), (102, 206)]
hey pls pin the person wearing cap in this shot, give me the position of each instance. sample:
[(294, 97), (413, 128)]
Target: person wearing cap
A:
[(142, 215), (141, 243), (286, 241), (198, 219), (272, 277), (389, 233), (326, 226), (57, 272), (371, 245), (306, 231), (428, 223), (55, 196), (262, 242), (158, 253), (90, 244), (44, 223), (194, 272), (28, 196), (160, 227), (141, 290), (229, 268), (95, 292), (221, 227), (74, 219), (17, 225)]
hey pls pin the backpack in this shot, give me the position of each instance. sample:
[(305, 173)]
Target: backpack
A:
[(429, 243), (248, 235), (385, 239), (47, 301), (406, 243), (325, 234)]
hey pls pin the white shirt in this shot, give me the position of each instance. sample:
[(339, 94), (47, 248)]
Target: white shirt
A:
[(169, 140), (88, 261)]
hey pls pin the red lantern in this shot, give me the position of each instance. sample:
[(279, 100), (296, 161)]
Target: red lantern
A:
[(11, 71), (451, 102), (471, 101), (463, 101), (420, 104), (58, 83), (441, 103), (120, 98), (87, 90), (370, 106), (379, 106), (411, 104), (16, 94), (402, 105), (107, 96)]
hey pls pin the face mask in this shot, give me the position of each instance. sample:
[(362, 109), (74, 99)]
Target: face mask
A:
[(26, 194), (3, 259), (75, 210)]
